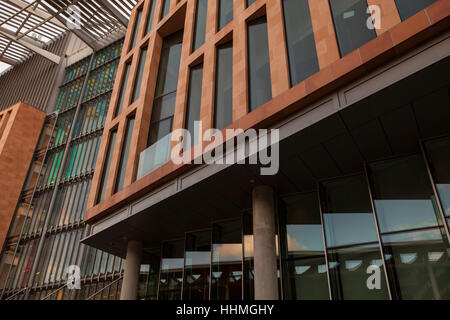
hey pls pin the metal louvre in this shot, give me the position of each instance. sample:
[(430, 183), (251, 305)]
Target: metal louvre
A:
[(27, 26)]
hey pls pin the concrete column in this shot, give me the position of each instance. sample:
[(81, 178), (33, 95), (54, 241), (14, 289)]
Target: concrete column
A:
[(132, 268), (266, 280)]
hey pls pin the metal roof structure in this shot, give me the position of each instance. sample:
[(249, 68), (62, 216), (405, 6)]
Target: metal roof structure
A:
[(26, 26)]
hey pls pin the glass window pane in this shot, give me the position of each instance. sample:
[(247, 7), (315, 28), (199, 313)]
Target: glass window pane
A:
[(150, 16), (415, 246), (260, 87), (149, 275), (123, 89), (352, 240), (303, 256), (408, 8), (124, 156), (139, 75), (438, 152), (165, 94), (194, 101), (197, 266), (105, 173), (171, 277), (225, 13), (250, 2), (136, 28), (166, 8), (350, 21), (226, 281), (200, 24), (303, 61), (223, 115)]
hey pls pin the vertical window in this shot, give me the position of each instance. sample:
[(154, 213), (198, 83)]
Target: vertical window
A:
[(302, 249), (105, 173), (150, 16), (223, 114), (260, 88), (166, 89), (301, 45), (171, 275), (250, 2), (408, 8), (225, 13), (226, 280), (124, 156), (415, 246), (438, 152), (194, 102), (136, 28), (248, 262), (166, 8), (200, 24), (149, 274), (351, 250), (197, 266), (123, 88), (139, 75), (350, 21)]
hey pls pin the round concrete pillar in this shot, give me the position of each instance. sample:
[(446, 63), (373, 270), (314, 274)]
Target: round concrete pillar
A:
[(266, 279), (130, 281)]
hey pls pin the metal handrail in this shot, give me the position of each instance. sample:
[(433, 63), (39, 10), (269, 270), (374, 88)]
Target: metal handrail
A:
[(17, 293), (49, 295), (96, 293)]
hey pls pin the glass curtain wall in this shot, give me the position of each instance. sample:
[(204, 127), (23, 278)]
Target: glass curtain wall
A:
[(378, 235), (65, 220)]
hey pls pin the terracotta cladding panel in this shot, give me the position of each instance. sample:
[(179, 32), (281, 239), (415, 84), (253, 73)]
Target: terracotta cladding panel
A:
[(17, 145), (394, 38)]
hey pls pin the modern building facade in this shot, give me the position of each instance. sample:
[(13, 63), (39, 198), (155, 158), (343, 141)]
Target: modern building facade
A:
[(362, 110), (359, 208)]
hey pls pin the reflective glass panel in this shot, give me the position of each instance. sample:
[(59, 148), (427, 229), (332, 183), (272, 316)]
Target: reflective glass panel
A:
[(408, 8), (438, 152), (225, 13), (350, 21), (136, 28), (223, 114), (200, 24), (166, 8), (139, 75), (352, 241), (150, 16), (302, 250), (105, 173), (226, 281), (301, 45), (166, 86), (197, 266), (194, 102), (415, 247), (148, 277), (124, 156), (260, 87), (123, 88), (171, 276)]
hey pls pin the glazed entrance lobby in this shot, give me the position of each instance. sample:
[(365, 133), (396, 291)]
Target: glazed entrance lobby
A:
[(362, 190)]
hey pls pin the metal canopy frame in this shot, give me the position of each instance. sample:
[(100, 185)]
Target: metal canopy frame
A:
[(27, 26)]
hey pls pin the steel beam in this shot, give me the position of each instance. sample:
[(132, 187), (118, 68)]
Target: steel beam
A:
[(114, 12), (46, 54)]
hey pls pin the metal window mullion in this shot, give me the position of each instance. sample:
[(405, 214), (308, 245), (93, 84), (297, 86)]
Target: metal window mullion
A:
[(374, 211), (325, 246)]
